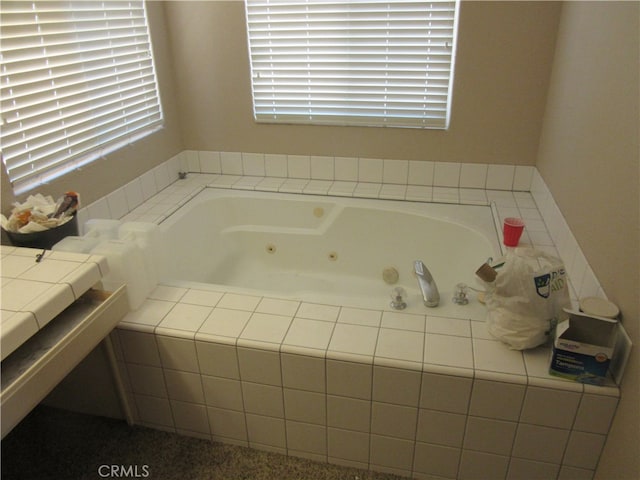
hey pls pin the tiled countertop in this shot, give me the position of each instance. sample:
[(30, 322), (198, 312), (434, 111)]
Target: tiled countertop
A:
[(34, 293)]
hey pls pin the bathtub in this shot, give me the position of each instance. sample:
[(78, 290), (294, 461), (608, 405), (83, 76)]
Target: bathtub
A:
[(336, 251)]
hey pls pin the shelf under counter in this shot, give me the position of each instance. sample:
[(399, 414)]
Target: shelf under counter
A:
[(37, 366)]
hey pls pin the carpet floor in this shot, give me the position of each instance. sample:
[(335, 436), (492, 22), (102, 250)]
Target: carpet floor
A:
[(56, 444)]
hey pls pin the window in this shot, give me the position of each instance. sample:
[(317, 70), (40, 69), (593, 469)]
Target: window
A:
[(352, 62), (77, 82)]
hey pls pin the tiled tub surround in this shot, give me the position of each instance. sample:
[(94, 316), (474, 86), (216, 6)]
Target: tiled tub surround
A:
[(415, 394)]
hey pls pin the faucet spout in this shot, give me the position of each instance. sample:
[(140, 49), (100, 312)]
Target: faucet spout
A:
[(428, 287)]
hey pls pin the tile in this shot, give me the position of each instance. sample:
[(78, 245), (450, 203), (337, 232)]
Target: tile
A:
[(217, 359), (403, 321), (393, 192), (552, 408), (263, 399), (400, 345), (421, 173), (13, 266), (314, 311), (393, 453), (231, 163), (306, 438), (167, 293), (397, 386), (209, 162), (189, 416), (367, 190), (303, 372), (16, 328), (139, 347), (147, 380), (265, 327), (225, 322), (359, 316), (302, 406), (475, 465), (521, 469), (184, 386), (117, 201), (370, 170), (275, 165), (82, 279), (266, 431), (543, 444), (489, 435), (293, 185), (133, 194), (354, 339), (299, 166), (50, 303), (185, 317), (222, 393), (584, 449), (500, 177), (16, 294), (318, 187), (349, 379), (574, 473), (309, 333), (342, 188), (496, 357), (393, 420), (448, 326), (259, 366), (153, 410), (348, 445), (225, 424), (205, 298), (441, 428), (346, 169), (277, 306), (436, 460), (448, 350), (445, 393), (473, 175), (395, 171), (419, 193), (177, 353), (595, 413), (496, 400), (236, 301), (253, 164), (348, 413), (322, 168), (446, 174)]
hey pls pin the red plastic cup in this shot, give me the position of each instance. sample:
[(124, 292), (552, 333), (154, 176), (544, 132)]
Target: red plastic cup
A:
[(512, 231)]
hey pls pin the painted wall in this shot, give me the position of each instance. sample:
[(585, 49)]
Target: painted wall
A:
[(503, 65), (103, 176), (589, 159)]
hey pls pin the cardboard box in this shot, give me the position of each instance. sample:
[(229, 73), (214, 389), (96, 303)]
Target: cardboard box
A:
[(582, 348)]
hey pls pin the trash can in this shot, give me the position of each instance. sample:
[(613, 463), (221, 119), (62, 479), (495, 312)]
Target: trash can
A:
[(45, 239)]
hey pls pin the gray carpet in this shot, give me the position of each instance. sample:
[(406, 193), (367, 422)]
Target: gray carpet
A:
[(56, 444)]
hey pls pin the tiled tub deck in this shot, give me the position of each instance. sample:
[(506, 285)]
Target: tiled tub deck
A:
[(412, 394)]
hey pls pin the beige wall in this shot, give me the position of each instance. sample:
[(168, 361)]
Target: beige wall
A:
[(589, 158), (103, 176), (503, 64)]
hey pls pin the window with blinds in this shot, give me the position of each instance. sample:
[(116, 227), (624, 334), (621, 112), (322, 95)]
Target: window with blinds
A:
[(352, 62), (77, 82)]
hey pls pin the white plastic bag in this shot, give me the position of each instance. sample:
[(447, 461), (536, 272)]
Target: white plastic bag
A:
[(527, 298)]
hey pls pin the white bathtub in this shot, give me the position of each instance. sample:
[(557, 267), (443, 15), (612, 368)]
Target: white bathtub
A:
[(327, 249)]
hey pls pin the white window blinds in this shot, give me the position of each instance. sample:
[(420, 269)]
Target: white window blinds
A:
[(352, 62), (77, 82)]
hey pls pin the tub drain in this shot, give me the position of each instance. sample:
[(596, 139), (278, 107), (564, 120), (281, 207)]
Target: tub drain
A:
[(333, 256), (270, 248)]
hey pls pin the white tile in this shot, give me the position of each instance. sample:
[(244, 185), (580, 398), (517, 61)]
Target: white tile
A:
[(544, 444), (393, 420), (133, 194), (475, 465), (50, 303), (436, 460), (185, 317), (497, 357), (227, 424), (253, 164), (489, 435), (393, 192), (314, 311), (293, 185), (299, 166), (346, 169), (148, 184), (263, 399), (167, 293), (201, 297), (309, 333), (523, 177), (217, 359), (161, 177), (370, 170), (225, 322), (184, 386), (584, 449), (553, 408), (259, 366), (359, 316), (441, 428), (322, 168), (500, 177), (421, 173), (151, 313), (419, 193), (473, 175), (139, 347), (448, 326), (348, 413), (349, 379), (400, 345), (497, 400), (446, 195), (210, 162), (190, 417), (395, 171), (445, 393), (446, 174), (521, 469), (153, 410), (392, 453), (303, 372), (147, 380), (117, 201), (403, 321), (595, 413), (50, 270), (236, 301), (264, 327), (318, 187), (342, 188), (395, 385), (82, 279), (177, 353), (307, 438), (278, 306), (367, 190), (222, 393), (275, 165), (354, 339), (448, 350), (302, 406), (231, 163), (348, 445), (266, 431)]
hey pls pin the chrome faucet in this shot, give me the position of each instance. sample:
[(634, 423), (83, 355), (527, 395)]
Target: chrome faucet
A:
[(427, 285)]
